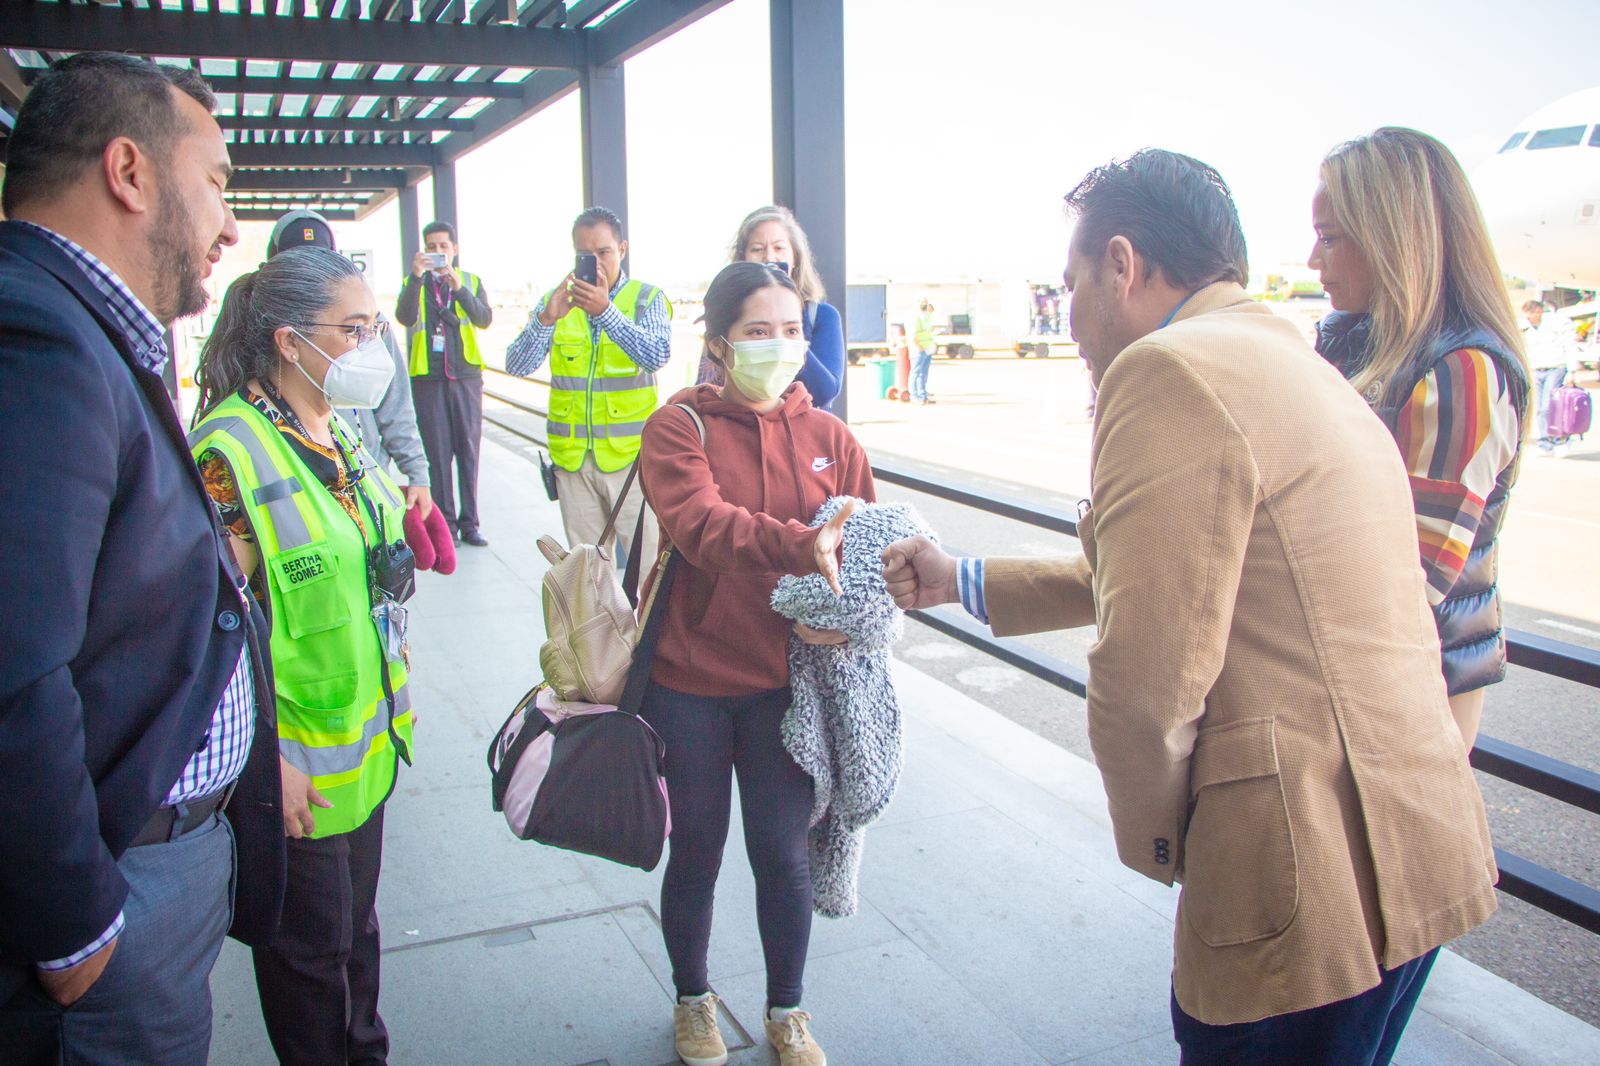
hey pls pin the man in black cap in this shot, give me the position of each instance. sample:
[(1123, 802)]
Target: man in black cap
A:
[(389, 430)]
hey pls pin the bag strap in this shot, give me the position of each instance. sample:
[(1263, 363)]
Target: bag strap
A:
[(616, 508), (644, 651), (502, 772), (630, 570)]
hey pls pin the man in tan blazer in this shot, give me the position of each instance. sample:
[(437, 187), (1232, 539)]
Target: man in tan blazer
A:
[(1265, 700)]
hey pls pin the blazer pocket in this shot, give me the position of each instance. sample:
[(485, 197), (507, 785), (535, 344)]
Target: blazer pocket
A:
[(1241, 879)]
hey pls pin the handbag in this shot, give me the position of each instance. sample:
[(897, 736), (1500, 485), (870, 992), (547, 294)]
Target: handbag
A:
[(577, 773), (587, 777)]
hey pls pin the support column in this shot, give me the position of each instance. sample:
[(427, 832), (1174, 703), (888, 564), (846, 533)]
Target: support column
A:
[(444, 195), (604, 115), (808, 164), (410, 229)]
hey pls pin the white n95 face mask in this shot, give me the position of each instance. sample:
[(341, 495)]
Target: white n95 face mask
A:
[(359, 378), (762, 369)]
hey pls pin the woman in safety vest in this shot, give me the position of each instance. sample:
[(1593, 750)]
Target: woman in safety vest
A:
[(738, 503), (316, 527)]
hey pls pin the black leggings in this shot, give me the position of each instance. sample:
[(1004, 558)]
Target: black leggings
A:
[(706, 738)]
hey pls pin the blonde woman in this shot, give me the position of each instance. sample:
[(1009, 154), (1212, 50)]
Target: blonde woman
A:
[(771, 235), (1424, 330)]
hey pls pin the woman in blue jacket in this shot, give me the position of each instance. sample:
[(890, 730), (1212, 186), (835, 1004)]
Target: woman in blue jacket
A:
[(771, 235)]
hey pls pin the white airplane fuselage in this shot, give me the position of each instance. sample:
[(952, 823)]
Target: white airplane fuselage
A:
[(1541, 194)]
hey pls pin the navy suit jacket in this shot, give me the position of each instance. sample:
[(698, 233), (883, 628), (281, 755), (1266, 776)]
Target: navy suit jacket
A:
[(114, 648)]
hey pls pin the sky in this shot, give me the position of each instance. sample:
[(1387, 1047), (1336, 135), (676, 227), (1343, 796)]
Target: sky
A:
[(967, 123)]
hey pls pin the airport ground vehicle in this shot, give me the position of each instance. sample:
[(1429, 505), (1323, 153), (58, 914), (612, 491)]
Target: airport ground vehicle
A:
[(971, 317)]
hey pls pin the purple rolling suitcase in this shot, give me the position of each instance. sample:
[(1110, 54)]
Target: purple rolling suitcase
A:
[(1569, 412)]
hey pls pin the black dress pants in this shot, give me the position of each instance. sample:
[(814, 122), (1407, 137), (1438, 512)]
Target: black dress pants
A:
[(319, 979), (450, 419)]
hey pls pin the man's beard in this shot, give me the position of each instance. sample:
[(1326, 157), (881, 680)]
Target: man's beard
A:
[(179, 289)]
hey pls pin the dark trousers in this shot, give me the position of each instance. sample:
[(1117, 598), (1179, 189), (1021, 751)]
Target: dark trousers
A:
[(153, 1001), (1363, 1030), (708, 739), (450, 419), (319, 979)]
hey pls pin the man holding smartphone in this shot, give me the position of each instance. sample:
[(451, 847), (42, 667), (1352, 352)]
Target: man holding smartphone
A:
[(606, 335), (444, 307)]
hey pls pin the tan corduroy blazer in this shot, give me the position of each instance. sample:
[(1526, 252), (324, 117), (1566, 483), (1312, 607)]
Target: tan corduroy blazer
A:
[(1265, 699)]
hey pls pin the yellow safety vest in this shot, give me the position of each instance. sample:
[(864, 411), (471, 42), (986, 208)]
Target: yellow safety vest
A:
[(334, 720), (469, 333), (923, 334), (598, 403)]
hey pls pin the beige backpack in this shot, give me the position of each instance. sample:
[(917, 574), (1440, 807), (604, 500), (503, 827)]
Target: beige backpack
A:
[(588, 618)]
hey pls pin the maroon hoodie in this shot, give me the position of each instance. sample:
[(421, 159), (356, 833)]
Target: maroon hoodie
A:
[(739, 511)]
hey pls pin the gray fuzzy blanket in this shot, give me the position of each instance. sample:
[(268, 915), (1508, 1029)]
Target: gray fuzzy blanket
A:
[(844, 726)]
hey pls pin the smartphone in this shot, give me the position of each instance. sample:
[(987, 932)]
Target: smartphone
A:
[(436, 260), (587, 269), (780, 266)]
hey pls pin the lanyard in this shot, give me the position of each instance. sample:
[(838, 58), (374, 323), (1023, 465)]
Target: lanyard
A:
[(1165, 322), (353, 472), (443, 297)]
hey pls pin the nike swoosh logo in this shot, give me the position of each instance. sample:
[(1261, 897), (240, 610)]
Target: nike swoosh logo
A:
[(819, 464)]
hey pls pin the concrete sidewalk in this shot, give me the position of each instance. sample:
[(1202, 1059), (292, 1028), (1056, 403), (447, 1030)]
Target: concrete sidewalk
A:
[(996, 925)]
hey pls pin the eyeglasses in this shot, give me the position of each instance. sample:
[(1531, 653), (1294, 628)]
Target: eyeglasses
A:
[(359, 334)]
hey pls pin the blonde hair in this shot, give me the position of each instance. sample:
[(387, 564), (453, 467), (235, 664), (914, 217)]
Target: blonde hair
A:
[(1403, 198), (803, 270)]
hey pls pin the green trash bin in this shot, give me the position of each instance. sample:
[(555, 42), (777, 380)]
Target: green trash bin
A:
[(885, 369)]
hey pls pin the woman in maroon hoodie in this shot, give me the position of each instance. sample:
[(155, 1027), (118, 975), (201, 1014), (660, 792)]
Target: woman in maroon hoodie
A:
[(738, 510)]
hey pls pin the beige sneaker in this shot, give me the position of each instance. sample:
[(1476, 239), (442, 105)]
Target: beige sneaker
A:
[(694, 1026), (792, 1038)]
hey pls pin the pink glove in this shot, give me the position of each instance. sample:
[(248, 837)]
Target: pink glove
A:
[(430, 541), (417, 540)]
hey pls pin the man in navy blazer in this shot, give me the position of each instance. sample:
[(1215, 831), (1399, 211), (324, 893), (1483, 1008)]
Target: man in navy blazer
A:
[(135, 689)]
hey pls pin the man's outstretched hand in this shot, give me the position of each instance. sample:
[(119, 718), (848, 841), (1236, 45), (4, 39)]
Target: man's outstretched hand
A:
[(919, 573)]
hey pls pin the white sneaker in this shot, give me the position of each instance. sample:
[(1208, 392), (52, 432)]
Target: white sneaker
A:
[(1561, 450)]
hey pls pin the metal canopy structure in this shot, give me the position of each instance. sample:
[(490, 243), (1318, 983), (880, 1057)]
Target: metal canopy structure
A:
[(344, 105), (338, 105)]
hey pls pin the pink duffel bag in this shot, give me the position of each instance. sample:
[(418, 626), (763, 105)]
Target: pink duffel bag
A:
[(582, 776)]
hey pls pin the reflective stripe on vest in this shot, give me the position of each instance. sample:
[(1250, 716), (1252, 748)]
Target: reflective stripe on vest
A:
[(575, 384), (334, 720), (276, 495), (613, 431), (599, 397), (327, 760), (469, 333)]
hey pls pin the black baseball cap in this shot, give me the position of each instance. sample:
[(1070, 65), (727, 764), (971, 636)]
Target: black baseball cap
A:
[(299, 229)]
